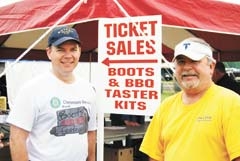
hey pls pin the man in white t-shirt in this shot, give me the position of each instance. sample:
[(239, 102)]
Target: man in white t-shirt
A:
[(53, 117)]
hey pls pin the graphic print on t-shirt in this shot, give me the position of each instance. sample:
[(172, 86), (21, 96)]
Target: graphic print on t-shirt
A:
[(71, 121)]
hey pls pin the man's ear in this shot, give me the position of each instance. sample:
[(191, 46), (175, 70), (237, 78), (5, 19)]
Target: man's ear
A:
[(212, 67), (48, 51)]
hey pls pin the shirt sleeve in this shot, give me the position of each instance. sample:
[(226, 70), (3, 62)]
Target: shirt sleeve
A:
[(22, 113), (151, 144), (231, 122), (92, 124)]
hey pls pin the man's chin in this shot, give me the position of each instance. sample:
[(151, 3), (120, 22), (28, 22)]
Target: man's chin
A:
[(190, 85)]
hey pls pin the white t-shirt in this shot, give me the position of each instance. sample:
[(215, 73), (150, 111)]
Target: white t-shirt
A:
[(57, 115)]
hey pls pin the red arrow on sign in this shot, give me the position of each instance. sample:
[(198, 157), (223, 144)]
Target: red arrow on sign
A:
[(107, 62)]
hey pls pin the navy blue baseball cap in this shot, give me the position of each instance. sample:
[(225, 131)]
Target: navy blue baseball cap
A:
[(60, 35)]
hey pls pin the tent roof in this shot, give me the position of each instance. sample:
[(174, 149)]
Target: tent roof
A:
[(200, 14), (180, 19)]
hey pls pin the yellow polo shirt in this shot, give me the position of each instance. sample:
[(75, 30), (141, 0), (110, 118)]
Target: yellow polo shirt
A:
[(207, 130)]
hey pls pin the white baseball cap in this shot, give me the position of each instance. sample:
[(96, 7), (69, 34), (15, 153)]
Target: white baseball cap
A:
[(193, 49)]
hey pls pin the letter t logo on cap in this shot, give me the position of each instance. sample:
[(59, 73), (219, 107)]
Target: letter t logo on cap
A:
[(186, 45)]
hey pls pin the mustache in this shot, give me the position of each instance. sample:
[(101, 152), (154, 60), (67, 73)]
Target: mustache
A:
[(188, 73)]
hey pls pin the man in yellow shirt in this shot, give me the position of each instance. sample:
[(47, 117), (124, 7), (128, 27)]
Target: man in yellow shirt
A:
[(199, 123)]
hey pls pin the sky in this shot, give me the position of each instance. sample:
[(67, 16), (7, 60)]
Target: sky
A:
[(6, 2), (231, 1)]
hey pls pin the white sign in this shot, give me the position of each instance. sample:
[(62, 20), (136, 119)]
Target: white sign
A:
[(129, 58)]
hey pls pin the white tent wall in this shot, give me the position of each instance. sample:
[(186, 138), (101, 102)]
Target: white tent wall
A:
[(23, 71)]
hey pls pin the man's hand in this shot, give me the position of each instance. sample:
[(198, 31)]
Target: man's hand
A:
[(1, 143), (131, 123)]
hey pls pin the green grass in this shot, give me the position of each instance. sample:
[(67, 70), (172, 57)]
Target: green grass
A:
[(166, 94), (168, 88)]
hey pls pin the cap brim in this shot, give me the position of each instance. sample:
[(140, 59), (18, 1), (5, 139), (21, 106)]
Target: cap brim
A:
[(192, 56), (64, 39)]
